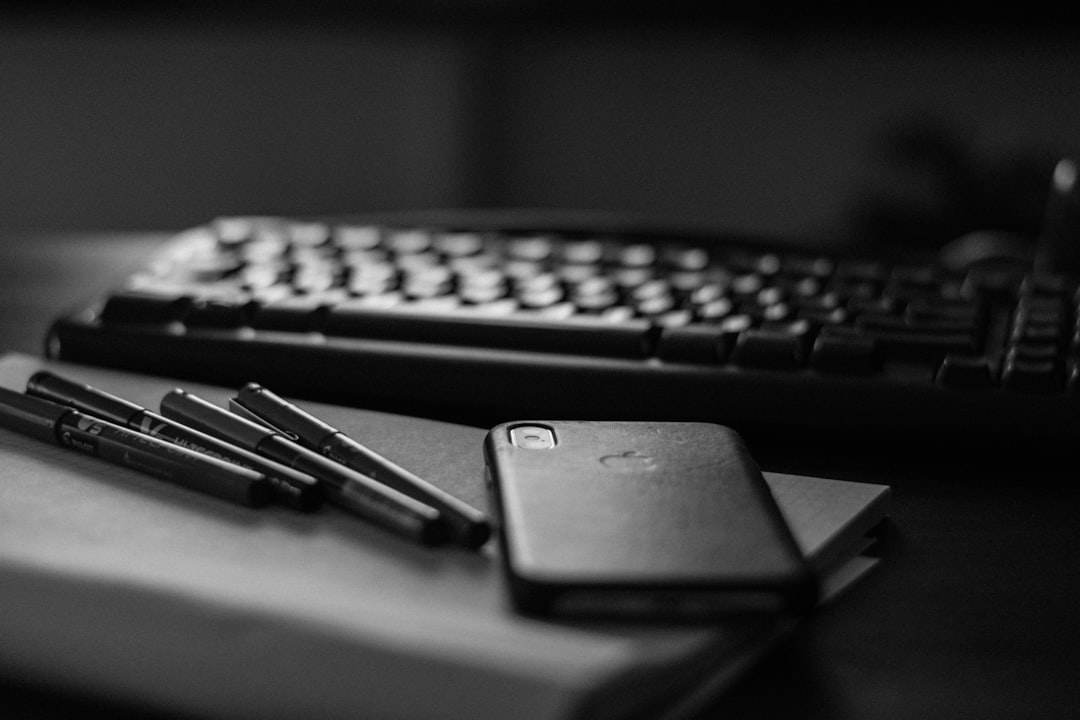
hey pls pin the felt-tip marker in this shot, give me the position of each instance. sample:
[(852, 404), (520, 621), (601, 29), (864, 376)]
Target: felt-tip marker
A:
[(343, 486), (465, 524), (67, 427), (289, 487)]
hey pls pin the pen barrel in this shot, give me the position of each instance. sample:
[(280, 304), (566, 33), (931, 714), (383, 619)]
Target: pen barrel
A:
[(351, 490), (82, 397), (288, 486), (465, 524), (423, 526), (360, 494), (162, 460), (285, 416)]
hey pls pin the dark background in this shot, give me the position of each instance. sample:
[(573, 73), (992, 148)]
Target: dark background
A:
[(910, 124)]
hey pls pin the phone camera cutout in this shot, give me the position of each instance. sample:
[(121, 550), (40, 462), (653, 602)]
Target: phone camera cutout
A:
[(532, 437)]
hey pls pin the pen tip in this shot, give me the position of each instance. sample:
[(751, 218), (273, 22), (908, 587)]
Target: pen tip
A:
[(433, 533), (475, 534), (259, 494)]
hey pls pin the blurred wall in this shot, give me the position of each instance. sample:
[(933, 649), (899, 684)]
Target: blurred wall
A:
[(798, 130), (795, 129), (110, 125)]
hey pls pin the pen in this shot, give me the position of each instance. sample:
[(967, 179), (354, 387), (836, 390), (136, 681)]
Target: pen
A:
[(465, 524), (288, 486), (67, 427), (342, 486)]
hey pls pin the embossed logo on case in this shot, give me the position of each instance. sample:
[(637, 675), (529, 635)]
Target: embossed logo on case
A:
[(629, 461)]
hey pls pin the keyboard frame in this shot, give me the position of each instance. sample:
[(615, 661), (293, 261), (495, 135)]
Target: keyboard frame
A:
[(486, 386)]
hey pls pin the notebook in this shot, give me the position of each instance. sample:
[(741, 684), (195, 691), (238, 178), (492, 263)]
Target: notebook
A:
[(117, 584)]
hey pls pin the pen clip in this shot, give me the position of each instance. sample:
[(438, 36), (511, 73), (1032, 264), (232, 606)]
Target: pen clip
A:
[(237, 409)]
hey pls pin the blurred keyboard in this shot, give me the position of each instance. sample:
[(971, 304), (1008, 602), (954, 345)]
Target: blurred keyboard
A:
[(489, 317)]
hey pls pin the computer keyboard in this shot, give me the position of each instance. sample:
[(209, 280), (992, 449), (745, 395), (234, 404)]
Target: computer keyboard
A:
[(488, 317)]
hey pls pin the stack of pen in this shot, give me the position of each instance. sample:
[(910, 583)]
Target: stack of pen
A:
[(263, 450)]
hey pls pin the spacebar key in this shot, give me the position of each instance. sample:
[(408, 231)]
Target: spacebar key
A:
[(579, 335)]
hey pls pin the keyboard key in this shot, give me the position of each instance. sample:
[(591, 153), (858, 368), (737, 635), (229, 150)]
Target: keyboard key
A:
[(481, 293), (922, 347), (460, 244), (690, 343), (861, 270), (967, 373), (920, 310), (1035, 333), (297, 313), (807, 266), (715, 310), (654, 306), (687, 259), (1026, 350), (845, 353), (574, 274), (769, 348), (835, 316), (852, 289), (408, 242), (776, 313), (771, 295), (1073, 382), (637, 256), (805, 288), (233, 231), (1044, 285), (530, 249), (357, 237), (214, 313), (992, 282), (924, 326), (673, 318), (259, 276), (499, 306), (1031, 376), (144, 307), (877, 306), (732, 325), (309, 235), (314, 279), (540, 298), (754, 263), (1045, 316), (580, 334), (747, 285), (629, 278), (651, 289), (709, 292), (926, 277)]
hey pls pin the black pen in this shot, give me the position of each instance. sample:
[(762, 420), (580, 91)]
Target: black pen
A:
[(67, 427), (342, 486), (289, 487), (465, 524)]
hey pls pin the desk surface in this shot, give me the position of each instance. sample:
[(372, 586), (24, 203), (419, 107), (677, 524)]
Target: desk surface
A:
[(974, 612)]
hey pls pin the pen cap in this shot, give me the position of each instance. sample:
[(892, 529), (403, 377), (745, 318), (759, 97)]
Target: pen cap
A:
[(279, 413), (82, 397), (195, 412), (30, 415)]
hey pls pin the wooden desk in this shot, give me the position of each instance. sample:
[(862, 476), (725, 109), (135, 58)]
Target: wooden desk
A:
[(974, 613)]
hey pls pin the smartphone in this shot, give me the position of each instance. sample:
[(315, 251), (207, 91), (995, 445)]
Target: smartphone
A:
[(639, 519)]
